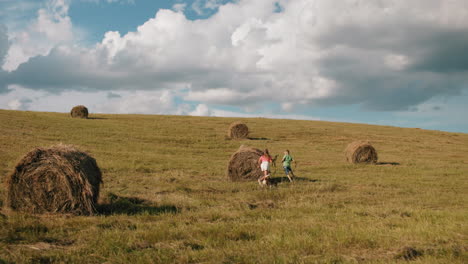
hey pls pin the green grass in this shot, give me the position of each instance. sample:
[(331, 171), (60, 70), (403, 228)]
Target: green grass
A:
[(166, 198)]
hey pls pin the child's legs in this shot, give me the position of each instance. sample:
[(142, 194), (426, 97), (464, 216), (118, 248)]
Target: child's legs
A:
[(288, 170), (291, 172), (265, 173), (265, 166)]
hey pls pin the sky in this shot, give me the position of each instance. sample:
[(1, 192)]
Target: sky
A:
[(385, 62)]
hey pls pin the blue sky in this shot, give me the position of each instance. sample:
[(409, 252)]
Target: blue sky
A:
[(98, 17), (395, 63)]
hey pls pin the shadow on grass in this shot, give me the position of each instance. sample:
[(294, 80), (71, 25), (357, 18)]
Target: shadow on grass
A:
[(98, 118), (262, 138), (388, 163), (115, 204), (276, 180), (304, 179)]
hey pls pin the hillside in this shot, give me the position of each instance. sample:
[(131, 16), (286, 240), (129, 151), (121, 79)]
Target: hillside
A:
[(166, 197)]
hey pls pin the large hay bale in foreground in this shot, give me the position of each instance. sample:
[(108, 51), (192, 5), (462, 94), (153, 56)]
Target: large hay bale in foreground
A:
[(361, 152), (243, 164), (59, 179), (79, 111), (238, 130)]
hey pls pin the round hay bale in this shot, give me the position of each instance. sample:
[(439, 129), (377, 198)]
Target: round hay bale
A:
[(361, 152), (59, 179), (243, 164), (238, 130), (79, 111)]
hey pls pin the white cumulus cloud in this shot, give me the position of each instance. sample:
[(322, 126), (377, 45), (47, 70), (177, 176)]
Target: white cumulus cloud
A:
[(201, 110), (53, 26), (384, 55)]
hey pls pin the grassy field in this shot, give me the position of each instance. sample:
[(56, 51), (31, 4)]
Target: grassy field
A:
[(166, 197)]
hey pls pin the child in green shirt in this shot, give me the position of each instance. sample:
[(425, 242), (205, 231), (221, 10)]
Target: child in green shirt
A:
[(287, 159)]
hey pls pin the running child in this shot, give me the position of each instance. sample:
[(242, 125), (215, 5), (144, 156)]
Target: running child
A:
[(264, 163), (287, 160)]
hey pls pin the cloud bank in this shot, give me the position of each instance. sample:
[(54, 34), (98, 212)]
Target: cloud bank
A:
[(383, 55), (52, 27)]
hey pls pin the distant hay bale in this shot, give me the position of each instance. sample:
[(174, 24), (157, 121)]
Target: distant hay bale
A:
[(59, 179), (238, 130), (243, 164), (361, 152), (79, 111)]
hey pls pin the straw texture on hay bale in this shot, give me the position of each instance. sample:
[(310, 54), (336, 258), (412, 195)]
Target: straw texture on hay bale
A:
[(79, 111), (243, 164), (361, 152), (238, 130), (59, 179)]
